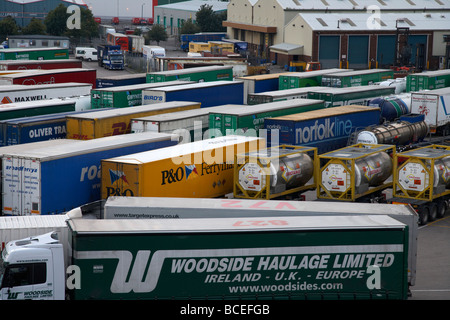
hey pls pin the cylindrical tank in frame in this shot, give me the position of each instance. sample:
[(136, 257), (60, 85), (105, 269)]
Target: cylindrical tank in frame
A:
[(373, 170), (392, 107)]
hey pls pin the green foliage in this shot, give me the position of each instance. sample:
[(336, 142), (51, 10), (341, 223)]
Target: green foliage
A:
[(189, 27), (157, 33), (208, 20), (56, 21), (8, 27), (36, 26)]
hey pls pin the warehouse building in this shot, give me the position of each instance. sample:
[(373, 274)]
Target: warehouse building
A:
[(172, 16), (290, 30), (25, 10)]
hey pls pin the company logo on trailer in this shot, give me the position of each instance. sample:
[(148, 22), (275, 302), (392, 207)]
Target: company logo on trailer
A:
[(116, 175), (170, 176), (6, 100)]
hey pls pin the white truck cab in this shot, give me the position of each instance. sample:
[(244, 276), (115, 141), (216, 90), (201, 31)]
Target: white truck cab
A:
[(33, 268)]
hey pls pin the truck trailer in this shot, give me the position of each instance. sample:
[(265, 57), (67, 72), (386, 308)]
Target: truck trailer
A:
[(260, 83), (340, 257), (56, 179), (357, 78), (281, 95), (40, 64), (120, 80), (117, 121), (209, 94), (201, 169), (428, 80), (51, 53), (433, 105), (21, 93), (125, 96), (79, 75), (307, 79), (28, 109), (197, 74)]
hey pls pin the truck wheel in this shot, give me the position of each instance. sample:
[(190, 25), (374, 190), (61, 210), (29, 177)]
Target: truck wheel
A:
[(433, 211), (441, 208), (423, 215)]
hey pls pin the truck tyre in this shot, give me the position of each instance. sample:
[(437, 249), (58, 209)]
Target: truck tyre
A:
[(432, 215), (441, 208), (423, 215)]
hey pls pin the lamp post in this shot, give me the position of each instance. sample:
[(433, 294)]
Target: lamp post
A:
[(142, 10)]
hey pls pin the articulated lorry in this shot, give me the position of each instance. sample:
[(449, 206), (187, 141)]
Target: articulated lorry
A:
[(278, 257)]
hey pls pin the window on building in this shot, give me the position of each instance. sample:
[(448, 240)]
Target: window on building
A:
[(45, 43)]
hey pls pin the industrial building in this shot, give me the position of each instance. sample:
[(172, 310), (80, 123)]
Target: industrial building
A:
[(343, 33), (171, 16), (25, 10)]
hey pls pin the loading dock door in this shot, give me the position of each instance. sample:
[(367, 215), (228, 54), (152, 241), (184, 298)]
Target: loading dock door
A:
[(329, 51), (386, 51), (358, 52), (413, 41)]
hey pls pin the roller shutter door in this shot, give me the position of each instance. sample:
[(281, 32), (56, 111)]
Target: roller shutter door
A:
[(329, 51), (386, 51), (358, 52)]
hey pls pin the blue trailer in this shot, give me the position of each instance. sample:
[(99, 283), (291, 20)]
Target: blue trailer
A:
[(209, 94), (200, 37), (37, 128), (325, 129), (121, 80), (261, 83), (56, 179)]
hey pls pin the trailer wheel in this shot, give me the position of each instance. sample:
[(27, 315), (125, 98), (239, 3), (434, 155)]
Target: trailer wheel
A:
[(433, 209), (441, 208), (423, 215)]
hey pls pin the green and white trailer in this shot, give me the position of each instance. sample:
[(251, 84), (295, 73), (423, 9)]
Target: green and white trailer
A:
[(249, 120), (197, 74), (125, 96), (281, 95), (428, 80), (357, 78), (51, 53), (306, 79), (278, 257), (335, 97)]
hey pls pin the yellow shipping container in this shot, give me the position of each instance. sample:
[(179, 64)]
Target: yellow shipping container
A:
[(113, 122), (224, 46), (198, 46), (202, 169)]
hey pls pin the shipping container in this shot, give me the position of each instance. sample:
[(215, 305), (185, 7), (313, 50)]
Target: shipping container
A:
[(260, 83), (105, 123), (121, 80), (190, 125), (357, 257), (28, 109), (357, 78), (306, 79), (327, 130), (51, 53), (118, 39), (428, 80), (209, 94), (356, 173), (35, 128), (40, 64), (79, 75), (197, 74), (21, 93), (201, 169), (198, 46), (433, 104), (125, 96), (334, 97), (56, 179), (136, 43), (250, 120), (187, 208), (280, 95)]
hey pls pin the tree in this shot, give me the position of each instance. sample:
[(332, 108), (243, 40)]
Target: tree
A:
[(8, 27), (208, 20), (157, 33), (36, 26), (56, 21), (189, 27), (89, 28)]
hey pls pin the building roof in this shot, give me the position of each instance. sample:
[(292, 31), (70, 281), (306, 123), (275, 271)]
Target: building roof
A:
[(77, 2), (348, 21), (383, 5), (195, 5)]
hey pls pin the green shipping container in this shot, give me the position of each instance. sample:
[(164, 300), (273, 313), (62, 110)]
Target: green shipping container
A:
[(327, 257), (335, 97), (305, 79), (428, 80), (125, 96), (357, 78), (249, 120), (197, 74), (34, 53)]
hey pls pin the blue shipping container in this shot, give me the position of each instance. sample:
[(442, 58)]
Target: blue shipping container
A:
[(209, 94), (37, 128), (326, 129), (57, 179), (124, 80)]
